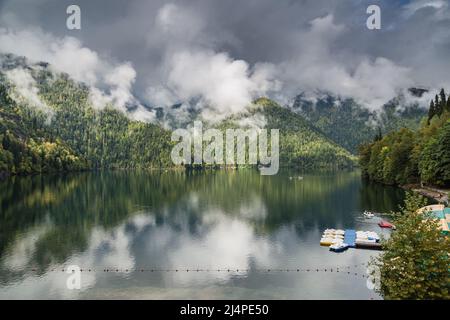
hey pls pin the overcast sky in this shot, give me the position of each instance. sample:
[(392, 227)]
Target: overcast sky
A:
[(222, 54)]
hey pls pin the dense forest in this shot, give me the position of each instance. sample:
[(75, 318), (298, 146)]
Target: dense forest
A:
[(349, 124), (413, 156), (72, 135), (301, 144), (77, 138)]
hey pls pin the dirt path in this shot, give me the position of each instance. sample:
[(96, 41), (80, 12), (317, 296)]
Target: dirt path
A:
[(439, 195)]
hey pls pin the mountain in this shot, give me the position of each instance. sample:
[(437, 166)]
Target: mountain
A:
[(48, 123), (301, 144), (349, 124)]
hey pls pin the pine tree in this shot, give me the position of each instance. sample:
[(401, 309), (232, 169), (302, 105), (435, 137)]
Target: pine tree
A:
[(379, 135), (442, 96), (447, 107), (442, 102), (437, 106), (431, 111), (443, 155)]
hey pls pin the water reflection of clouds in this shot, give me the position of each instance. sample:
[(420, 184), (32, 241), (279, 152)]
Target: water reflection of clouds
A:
[(225, 241), (254, 209), (106, 249), (220, 240), (17, 257), (229, 243)]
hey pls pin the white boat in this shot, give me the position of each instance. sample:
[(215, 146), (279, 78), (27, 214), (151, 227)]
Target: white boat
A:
[(339, 247), (368, 214), (326, 241)]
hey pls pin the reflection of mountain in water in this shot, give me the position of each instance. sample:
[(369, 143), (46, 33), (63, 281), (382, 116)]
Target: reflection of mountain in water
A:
[(172, 219)]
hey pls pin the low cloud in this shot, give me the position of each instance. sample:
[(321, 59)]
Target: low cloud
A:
[(315, 68), (26, 91), (109, 82), (412, 7), (223, 85), (254, 121), (194, 72), (65, 54), (216, 57)]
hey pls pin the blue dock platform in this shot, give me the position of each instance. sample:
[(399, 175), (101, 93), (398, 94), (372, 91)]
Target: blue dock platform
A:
[(350, 237)]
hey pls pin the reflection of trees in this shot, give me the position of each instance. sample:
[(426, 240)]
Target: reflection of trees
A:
[(24, 202), (72, 205), (57, 245), (317, 200), (379, 198)]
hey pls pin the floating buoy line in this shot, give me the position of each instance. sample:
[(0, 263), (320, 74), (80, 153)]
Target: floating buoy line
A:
[(348, 269)]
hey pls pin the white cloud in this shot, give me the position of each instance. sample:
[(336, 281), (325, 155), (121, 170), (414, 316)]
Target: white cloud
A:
[(270, 49), (142, 114), (376, 82), (255, 121), (414, 6), (172, 20), (68, 55), (221, 85), (222, 82), (161, 96), (65, 54), (26, 90), (121, 79), (194, 72), (315, 66)]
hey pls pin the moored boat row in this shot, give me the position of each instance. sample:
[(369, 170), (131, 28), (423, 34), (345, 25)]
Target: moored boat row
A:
[(340, 240), (332, 237)]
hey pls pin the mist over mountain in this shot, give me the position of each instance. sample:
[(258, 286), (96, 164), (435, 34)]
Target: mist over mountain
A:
[(351, 124), (50, 122), (214, 58)]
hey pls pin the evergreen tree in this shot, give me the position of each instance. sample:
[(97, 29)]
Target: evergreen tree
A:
[(443, 155), (442, 96), (379, 135), (431, 111), (437, 106)]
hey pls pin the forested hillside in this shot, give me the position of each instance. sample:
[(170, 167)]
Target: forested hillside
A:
[(349, 124), (70, 134), (301, 144), (408, 156), (26, 149)]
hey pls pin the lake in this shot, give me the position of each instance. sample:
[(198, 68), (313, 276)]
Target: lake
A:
[(144, 235)]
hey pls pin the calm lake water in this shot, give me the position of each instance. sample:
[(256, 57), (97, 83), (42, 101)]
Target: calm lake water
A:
[(127, 221)]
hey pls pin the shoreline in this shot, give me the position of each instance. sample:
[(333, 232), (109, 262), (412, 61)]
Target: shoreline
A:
[(439, 195), (5, 174)]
